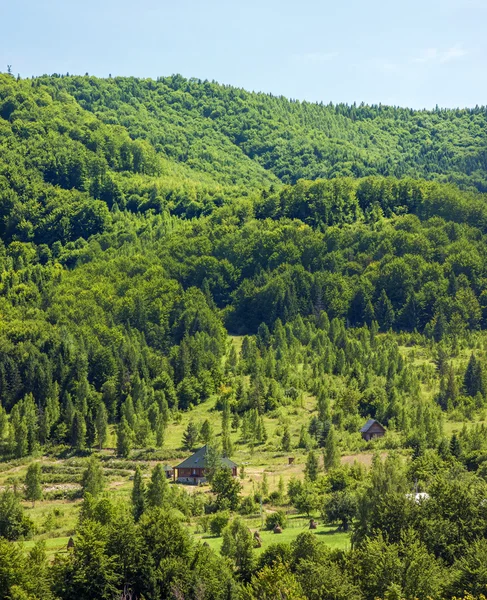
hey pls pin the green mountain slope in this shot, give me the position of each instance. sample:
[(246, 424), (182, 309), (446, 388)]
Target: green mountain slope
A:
[(193, 121), (142, 221)]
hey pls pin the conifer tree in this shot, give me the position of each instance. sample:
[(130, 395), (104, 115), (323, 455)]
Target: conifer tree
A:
[(78, 431), (206, 432), (19, 442), (451, 389), (312, 467), (124, 438), (331, 454), (138, 494), (304, 438), (158, 488), (128, 412), (160, 431), (384, 312), (225, 415), (227, 446), (440, 326), (455, 446), (33, 487), (101, 424), (235, 422), (213, 460), (90, 429), (281, 489), (232, 361), (473, 381), (286, 440), (324, 413), (69, 412), (93, 480), (190, 436)]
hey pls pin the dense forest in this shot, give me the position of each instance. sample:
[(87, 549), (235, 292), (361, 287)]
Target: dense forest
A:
[(176, 244)]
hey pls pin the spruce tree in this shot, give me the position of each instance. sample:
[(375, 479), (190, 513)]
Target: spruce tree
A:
[(158, 488), (78, 432), (451, 389), (93, 480), (128, 412), (227, 446), (304, 439), (281, 490), (455, 446), (190, 436), (138, 494), (384, 312), (473, 381), (286, 440), (213, 460), (20, 437), (124, 438), (33, 487), (324, 413), (235, 422), (331, 454), (160, 431), (440, 326), (206, 432), (312, 467), (232, 361), (101, 424)]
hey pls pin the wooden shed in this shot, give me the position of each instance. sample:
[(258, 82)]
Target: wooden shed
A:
[(169, 471), (372, 429)]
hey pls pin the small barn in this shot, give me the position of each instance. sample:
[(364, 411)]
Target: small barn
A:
[(372, 429), (169, 471), (193, 469)]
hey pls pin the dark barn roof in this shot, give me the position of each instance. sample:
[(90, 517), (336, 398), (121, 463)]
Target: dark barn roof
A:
[(369, 424), (198, 461)]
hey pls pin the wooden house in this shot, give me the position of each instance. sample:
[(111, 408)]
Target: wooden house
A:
[(193, 469), (372, 429)]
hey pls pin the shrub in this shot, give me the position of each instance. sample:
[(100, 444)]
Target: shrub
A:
[(218, 522), (276, 518), (249, 506)]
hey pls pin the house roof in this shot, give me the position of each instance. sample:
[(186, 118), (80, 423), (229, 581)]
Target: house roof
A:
[(198, 461), (168, 468), (369, 424)]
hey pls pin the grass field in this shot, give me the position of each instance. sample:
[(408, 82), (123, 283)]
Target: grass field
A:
[(329, 535)]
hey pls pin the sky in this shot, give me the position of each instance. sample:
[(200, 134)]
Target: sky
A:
[(408, 53)]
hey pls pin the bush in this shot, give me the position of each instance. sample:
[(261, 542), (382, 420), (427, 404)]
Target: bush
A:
[(218, 522), (275, 497), (249, 506), (276, 518)]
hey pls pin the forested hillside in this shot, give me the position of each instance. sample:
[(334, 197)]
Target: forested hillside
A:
[(259, 274)]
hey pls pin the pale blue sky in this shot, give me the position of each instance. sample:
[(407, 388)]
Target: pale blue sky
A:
[(411, 53)]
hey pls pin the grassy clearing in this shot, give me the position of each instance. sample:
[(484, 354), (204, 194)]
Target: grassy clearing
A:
[(329, 535)]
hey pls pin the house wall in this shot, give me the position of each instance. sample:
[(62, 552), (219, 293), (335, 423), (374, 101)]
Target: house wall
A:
[(193, 476), (374, 431)]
